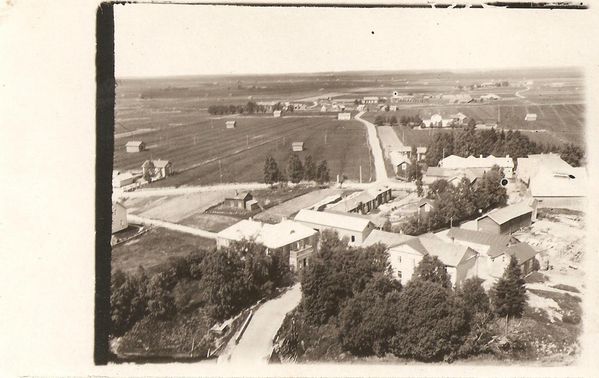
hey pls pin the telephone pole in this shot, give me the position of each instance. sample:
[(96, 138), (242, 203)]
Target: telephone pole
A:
[(220, 171)]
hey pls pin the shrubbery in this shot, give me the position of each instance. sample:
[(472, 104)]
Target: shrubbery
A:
[(454, 204), (228, 279)]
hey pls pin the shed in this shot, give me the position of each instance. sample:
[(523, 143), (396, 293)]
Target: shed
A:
[(297, 146), (135, 146), (230, 124), (506, 220), (276, 113), (239, 201), (344, 116), (530, 117)]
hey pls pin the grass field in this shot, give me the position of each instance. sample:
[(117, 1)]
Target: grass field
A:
[(195, 150), (155, 247)]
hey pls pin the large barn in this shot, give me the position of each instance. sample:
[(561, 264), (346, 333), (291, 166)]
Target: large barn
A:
[(355, 228)]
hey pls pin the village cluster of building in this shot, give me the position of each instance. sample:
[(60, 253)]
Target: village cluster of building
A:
[(150, 171)]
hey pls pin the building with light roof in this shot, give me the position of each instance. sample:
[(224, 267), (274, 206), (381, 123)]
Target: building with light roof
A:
[(356, 228), (508, 219), (457, 162), (287, 236)]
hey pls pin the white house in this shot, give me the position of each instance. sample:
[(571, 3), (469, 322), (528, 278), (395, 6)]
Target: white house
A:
[(230, 124), (124, 179), (460, 261), (276, 114), (297, 146), (371, 100), (356, 228), (437, 120), (119, 217), (287, 236)]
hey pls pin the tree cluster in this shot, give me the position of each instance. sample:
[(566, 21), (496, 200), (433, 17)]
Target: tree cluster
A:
[(229, 279), (410, 120), (296, 171), (250, 108), (453, 204), (469, 141)]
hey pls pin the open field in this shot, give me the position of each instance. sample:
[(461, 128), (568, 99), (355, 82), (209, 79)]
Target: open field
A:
[(209, 222), (154, 248), (197, 148)]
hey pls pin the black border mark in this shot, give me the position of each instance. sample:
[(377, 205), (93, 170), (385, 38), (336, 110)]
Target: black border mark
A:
[(105, 99)]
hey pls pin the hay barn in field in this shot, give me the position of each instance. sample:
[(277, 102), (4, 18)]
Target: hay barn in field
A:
[(230, 124), (297, 146), (133, 146)]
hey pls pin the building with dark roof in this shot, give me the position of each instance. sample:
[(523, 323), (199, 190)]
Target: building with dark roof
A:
[(508, 219)]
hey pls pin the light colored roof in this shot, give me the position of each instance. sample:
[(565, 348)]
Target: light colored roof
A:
[(389, 239), (454, 161), (398, 158), (450, 254), (529, 166), (421, 149), (297, 143), (507, 213), (230, 122), (270, 235), (497, 243), (522, 251), (371, 98), (570, 182), (161, 163), (333, 220), (134, 143), (240, 195), (125, 176)]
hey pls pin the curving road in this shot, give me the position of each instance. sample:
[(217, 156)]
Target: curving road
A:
[(377, 151), (256, 343)]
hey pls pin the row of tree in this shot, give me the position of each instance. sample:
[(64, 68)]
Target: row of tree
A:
[(469, 141), (229, 279), (452, 204), (380, 120), (351, 303), (296, 171), (250, 108)]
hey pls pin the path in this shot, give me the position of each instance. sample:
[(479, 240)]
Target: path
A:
[(519, 93), (256, 343), (152, 192), (377, 151), (171, 226)]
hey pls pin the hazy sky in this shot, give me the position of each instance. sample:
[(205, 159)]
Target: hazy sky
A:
[(161, 40)]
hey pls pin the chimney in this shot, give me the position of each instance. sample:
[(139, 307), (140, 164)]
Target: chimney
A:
[(481, 156)]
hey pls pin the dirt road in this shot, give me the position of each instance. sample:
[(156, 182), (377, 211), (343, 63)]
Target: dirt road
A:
[(255, 345), (377, 151), (172, 226)]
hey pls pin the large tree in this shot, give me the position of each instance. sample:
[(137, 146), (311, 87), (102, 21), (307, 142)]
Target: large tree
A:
[(309, 169), (508, 295), (430, 268), (295, 170), (322, 173), (572, 154), (271, 170)]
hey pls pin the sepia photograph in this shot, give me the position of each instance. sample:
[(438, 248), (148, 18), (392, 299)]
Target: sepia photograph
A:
[(274, 189), (277, 202)]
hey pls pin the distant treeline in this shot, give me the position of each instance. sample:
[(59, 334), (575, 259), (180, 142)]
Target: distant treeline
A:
[(250, 108)]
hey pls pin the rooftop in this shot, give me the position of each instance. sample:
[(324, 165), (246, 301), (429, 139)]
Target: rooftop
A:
[(522, 251), (389, 239), (333, 220), (270, 235), (454, 161), (507, 213), (134, 143), (497, 243), (450, 254)]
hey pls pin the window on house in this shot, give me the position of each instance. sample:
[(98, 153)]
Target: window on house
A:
[(353, 238), (399, 274)]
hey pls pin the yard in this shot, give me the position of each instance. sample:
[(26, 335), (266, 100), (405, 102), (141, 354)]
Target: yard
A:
[(154, 248)]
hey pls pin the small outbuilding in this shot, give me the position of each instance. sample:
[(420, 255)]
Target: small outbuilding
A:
[(239, 201), (297, 146), (276, 114), (344, 116), (133, 146), (530, 117), (508, 219), (231, 124)]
